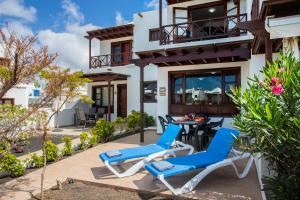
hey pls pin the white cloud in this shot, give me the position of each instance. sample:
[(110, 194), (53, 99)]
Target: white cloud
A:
[(15, 8), (71, 46), (19, 28), (154, 4), (72, 10), (120, 20), (78, 29), (69, 43)]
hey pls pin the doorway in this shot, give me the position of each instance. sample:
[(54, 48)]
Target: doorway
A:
[(122, 100)]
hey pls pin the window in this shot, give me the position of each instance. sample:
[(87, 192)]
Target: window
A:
[(100, 96), (7, 101), (121, 53), (154, 34), (150, 91), (203, 91)]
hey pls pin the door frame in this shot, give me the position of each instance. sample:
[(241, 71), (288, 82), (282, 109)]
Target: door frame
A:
[(118, 98)]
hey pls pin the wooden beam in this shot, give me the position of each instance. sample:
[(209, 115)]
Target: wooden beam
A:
[(90, 52), (256, 27), (277, 45), (243, 53), (142, 66), (268, 48), (109, 100), (218, 59), (160, 21)]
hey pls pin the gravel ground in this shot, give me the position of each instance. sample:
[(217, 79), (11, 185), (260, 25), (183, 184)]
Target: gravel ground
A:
[(80, 190)]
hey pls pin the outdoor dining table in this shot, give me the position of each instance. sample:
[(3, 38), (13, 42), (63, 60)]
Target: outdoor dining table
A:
[(193, 123)]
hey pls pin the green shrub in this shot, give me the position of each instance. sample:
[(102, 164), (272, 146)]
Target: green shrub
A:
[(103, 130), (84, 140), (68, 148), (92, 140), (4, 145), (120, 123), (270, 115), (52, 152), (134, 118), (10, 164), (149, 120), (35, 161)]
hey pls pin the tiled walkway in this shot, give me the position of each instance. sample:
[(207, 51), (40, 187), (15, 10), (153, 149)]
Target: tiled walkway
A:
[(221, 184)]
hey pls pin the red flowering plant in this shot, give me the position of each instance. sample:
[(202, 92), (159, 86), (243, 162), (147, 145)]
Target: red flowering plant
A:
[(270, 115)]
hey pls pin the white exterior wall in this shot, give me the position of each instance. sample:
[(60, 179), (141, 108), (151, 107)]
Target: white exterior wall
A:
[(150, 20), (105, 46), (133, 86), (19, 94)]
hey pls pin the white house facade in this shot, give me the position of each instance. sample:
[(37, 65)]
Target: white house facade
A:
[(191, 51), (184, 57)]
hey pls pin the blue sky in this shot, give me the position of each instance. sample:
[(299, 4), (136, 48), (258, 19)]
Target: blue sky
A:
[(98, 12), (57, 22)]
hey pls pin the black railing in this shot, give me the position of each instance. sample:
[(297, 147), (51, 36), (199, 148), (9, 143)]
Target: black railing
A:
[(203, 29), (111, 60)]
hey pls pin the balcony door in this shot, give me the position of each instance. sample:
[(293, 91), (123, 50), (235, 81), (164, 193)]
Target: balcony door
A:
[(208, 19), (121, 53), (181, 19)]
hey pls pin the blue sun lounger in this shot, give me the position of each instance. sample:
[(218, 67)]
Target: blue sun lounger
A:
[(162, 148), (214, 157)]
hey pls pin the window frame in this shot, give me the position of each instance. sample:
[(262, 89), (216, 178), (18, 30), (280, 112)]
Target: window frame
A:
[(151, 31), (2, 101), (94, 88), (152, 100), (182, 108)]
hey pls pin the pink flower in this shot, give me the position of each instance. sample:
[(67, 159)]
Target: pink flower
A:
[(278, 89), (274, 80)]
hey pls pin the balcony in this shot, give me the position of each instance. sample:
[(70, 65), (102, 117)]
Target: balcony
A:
[(110, 60), (206, 29)]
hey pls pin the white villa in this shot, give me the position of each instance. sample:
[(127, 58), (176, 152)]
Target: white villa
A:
[(184, 57)]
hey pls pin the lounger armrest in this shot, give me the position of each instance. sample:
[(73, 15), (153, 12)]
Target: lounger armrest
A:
[(182, 146)]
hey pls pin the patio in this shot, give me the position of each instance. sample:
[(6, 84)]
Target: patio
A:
[(221, 184)]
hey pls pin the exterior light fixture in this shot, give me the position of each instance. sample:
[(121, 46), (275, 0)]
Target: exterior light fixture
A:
[(211, 10)]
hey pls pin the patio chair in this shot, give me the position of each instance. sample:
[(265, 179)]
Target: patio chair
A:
[(163, 122), (215, 157), (161, 149), (210, 130), (82, 119), (184, 133)]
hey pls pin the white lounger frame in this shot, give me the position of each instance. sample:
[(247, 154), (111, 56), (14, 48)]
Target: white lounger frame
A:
[(178, 146), (191, 184)]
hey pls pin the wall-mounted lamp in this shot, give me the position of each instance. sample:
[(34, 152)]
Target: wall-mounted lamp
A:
[(211, 10)]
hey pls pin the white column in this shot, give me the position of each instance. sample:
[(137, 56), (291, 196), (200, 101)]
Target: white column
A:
[(291, 44)]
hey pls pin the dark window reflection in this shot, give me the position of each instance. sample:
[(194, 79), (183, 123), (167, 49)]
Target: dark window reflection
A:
[(178, 90), (202, 90), (150, 91)]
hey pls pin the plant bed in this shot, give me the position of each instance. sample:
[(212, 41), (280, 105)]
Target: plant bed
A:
[(6, 178), (77, 190)]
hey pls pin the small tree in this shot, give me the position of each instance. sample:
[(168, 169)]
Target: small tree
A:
[(59, 83), (270, 114), (21, 63)]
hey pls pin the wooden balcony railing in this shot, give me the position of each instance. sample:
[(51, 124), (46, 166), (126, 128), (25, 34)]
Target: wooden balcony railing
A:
[(111, 60), (206, 29)]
